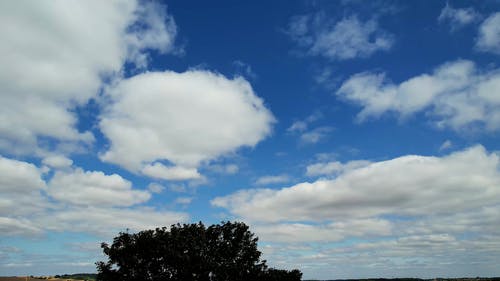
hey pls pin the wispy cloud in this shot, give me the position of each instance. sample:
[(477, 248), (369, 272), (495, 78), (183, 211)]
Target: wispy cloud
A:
[(348, 38), (315, 135), (334, 167), (272, 179), (457, 18), (184, 200), (447, 144), (309, 135), (302, 125)]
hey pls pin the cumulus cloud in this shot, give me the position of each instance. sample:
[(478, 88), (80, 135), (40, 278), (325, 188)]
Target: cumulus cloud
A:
[(58, 54), (19, 176), (94, 188), (489, 35), (57, 161), (172, 116), (456, 17), (438, 254), (455, 95), (272, 179), (330, 232), (72, 200), (107, 221), (21, 185), (406, 186), (407, 209), (346, 39)]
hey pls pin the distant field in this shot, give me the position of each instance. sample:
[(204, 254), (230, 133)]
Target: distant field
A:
[(21, 279), (33, 279)]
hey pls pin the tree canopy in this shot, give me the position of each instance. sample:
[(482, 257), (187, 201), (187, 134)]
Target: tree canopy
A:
[(220, 252)]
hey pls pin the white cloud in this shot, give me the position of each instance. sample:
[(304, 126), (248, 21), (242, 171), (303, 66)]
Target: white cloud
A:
[(184, 200), (404, 186), (78, 263), (185, 118), (447, 144), (57, 161), (331, 232), (265, 180), (94, 188), (306, 135), (24, 265), (180, 188), (315, 135), (229, 169), (475, 220), (21, 185), (302, 125), (457, 18), (155, 187), (108, 221), (455, 95), (489, 34), (58, 53), (19, 177), (175, 173), (409, 213), (17, 227), (153, 29), (348, 38), (80, 201), (334, 167), (297, 126), (244, 69), (425, 256)]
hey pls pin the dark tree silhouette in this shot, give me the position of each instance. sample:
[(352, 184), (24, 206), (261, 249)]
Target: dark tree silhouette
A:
[(221, 252), (272, 274)]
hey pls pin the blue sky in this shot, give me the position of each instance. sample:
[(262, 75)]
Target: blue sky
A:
[(357, 139)]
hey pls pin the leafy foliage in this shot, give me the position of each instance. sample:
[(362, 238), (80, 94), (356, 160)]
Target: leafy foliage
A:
[(221, 252)]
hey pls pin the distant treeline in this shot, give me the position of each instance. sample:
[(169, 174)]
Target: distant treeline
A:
[(78, 276), (415, 279)]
